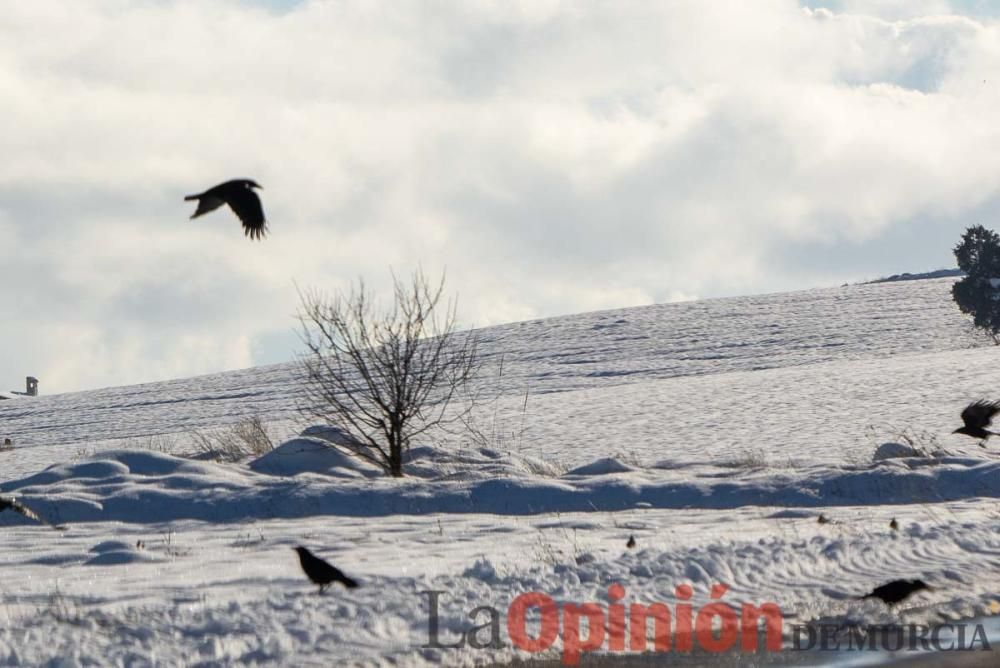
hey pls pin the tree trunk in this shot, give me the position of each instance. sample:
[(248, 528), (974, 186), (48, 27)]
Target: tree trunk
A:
[(396, 451)]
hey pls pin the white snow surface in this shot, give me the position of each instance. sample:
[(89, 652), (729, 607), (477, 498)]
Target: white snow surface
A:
[(714, 432)]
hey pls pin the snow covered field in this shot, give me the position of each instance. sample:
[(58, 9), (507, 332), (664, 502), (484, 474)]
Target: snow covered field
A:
[(714, 432)]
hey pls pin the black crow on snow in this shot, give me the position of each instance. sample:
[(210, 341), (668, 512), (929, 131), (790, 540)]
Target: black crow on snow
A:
[(241, 198), (977, 417), (322, 573), (896, 591), (7, 503)]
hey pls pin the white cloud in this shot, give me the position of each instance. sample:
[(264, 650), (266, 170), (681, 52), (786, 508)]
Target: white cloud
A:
[(554, 157)]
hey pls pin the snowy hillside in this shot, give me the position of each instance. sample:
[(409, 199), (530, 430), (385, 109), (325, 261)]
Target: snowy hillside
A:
[(593, 351), (714, 432)]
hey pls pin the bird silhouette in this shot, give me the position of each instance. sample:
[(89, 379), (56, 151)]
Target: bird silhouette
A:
[(893, 524), (321, 572), (977, 417), (241, 198), (822, 519), (7, 503), (896, 591), (631, 542)]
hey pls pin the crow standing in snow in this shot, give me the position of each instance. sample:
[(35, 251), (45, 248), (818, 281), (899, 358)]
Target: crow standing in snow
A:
[(7, 503), (241, 198), (896, 591), (977, 417), (322, 573)]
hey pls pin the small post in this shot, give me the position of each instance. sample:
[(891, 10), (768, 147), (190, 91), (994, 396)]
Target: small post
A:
[(32, 386)]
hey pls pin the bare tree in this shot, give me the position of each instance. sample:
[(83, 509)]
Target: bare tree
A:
[(384, 376)]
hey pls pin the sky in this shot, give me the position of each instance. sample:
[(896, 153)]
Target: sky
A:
[(548, 157)]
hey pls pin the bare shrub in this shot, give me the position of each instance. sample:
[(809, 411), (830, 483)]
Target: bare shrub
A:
[(163, 443), (63, 610), (385, 376), (749, 458), (922, 443), (83, 452), (81, 614), (246, 438), (493, 431), (559, 544)]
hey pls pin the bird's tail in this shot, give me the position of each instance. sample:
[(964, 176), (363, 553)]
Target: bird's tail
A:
[(348, 582)]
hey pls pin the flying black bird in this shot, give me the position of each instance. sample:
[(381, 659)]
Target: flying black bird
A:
[(631, 542), (322, 573), (896, 591), (976, 417), (241, 198), (7, 503)]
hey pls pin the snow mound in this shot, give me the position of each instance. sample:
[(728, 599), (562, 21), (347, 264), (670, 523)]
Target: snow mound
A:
[(603, 466), (131, 486), (111, 546), (465, 464), (312, 452), (116, 552), (119, 557), (331, 434), (312, 455), (895, 451), (113, 465), (145, 487)]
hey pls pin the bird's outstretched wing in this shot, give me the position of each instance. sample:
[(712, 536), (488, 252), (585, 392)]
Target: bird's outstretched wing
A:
[(7, 503), (206, 203), (246, 205), (979, 413)]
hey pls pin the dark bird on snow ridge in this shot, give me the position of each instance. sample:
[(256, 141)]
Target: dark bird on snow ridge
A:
[(7, 503), (893, 524), (241, 198), (631, 542), (822, 519), (322, 573), (896, 591), (977, 417)]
